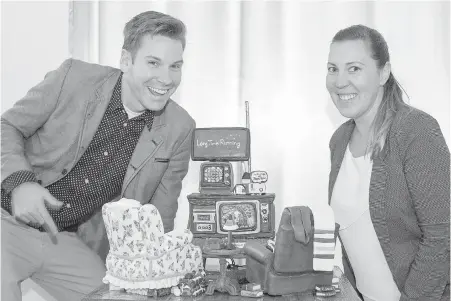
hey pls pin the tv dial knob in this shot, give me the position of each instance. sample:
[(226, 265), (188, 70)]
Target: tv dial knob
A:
[(264, 211), (227, 174)]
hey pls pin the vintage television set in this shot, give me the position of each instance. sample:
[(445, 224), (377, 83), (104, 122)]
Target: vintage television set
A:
[(216, 202), (253, 214)]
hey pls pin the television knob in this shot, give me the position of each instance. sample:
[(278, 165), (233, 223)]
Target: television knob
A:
[(227, 182), (264, 211), (227, 174)]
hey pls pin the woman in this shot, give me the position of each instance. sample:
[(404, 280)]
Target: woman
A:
[(389, 184)]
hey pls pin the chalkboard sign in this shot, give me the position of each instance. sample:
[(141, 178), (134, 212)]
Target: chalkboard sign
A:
[(221, 144)]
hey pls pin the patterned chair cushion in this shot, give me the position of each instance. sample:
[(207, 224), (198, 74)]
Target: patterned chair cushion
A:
[(141, 255)]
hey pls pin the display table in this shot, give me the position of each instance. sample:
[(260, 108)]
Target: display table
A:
[(347, 294), (223, 283)]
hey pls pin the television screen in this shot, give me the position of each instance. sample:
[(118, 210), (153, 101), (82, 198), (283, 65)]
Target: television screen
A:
[(214, 174), (243, 214)]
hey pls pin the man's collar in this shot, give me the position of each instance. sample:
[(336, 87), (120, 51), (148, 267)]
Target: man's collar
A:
[(148, 118), (116, 98)]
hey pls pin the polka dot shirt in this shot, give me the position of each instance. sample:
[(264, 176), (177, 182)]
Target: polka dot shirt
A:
[(98, 176)]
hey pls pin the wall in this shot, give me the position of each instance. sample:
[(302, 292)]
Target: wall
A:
[(34, 41)]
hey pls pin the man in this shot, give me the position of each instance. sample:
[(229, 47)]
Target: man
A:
[(87, 135)]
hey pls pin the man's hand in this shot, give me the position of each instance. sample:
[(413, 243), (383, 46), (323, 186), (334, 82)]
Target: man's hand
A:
[(28, 205)]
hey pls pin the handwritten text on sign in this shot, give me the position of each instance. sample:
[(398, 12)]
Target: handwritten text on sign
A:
[(259, 177), (221, 144), (228, 142)]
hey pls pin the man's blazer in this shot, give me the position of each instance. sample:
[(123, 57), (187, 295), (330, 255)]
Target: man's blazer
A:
[(48, 131)]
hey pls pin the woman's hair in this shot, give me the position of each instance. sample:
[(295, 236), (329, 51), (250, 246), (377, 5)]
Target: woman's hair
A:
[(392, 100), (152, 23)]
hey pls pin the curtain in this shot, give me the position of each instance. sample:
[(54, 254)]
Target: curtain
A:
[(274, 55)]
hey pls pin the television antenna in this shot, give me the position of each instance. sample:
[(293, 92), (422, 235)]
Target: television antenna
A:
[(246, 104)]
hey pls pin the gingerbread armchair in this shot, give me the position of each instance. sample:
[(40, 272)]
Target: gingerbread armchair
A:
[(141, 255)]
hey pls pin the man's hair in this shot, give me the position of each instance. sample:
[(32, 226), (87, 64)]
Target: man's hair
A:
[(152, 23)]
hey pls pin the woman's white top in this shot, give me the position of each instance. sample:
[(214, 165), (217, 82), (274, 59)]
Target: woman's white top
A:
[(350, 202)]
